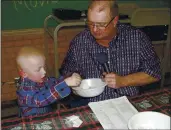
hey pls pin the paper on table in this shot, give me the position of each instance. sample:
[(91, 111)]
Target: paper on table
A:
[(113, 113)]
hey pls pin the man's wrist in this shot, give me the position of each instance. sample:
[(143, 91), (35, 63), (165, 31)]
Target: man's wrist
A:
[(123, 81)]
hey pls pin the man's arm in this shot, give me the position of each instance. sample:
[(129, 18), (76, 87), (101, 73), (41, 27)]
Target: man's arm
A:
[(136, 79), (149, 70), (149, 66)]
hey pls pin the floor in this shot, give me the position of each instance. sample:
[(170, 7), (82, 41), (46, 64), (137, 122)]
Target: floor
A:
[(10, 108)]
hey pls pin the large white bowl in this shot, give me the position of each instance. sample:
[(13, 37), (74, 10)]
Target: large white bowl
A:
[(90, 87), (149, 120)]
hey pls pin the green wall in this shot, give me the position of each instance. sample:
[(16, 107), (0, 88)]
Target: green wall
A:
[(24, 14)]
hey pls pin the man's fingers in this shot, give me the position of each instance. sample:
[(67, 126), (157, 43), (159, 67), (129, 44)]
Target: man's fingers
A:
[(110, 76), (104, 73)]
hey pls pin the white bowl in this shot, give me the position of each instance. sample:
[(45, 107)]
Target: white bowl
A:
[(149, 120), (90, 87)]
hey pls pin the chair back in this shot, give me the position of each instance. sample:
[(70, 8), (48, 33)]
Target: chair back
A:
[(151, 17)]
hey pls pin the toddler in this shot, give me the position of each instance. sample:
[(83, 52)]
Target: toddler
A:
[(36, 91)]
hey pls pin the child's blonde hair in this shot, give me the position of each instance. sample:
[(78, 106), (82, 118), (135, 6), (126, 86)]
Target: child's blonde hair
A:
[(26, 53)]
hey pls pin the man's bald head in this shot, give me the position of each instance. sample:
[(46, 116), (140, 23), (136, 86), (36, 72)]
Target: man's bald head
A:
[(103, 5)]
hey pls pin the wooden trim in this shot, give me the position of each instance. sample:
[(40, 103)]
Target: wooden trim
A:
[(23, 31)]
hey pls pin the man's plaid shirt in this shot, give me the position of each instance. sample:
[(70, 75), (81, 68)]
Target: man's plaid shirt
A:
[(129, 52)]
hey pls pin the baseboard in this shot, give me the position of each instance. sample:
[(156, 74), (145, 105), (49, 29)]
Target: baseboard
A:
[(22, 31)]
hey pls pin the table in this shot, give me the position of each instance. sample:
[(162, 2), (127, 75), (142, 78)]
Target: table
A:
[(156, 100)]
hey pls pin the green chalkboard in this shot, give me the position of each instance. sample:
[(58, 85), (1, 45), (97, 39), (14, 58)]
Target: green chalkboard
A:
[(26, 14), (19, 14)]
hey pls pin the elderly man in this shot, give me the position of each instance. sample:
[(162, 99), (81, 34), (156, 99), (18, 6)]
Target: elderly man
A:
[(131, 57)]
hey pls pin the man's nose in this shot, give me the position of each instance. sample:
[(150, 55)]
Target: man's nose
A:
[(94, 28)]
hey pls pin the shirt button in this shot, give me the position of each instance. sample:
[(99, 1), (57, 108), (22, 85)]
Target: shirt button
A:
[(62, 89)]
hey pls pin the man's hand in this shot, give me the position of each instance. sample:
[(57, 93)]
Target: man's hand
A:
[(136, 79), (73, 80), (113, 80)]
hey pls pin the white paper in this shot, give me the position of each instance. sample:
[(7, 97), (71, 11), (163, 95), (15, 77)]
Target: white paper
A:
[(113, 113)]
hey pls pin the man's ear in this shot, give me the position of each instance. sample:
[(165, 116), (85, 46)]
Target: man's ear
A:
[(22, 73), (116, 19)]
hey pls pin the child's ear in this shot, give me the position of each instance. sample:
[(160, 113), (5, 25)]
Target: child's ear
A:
[(22, 73)]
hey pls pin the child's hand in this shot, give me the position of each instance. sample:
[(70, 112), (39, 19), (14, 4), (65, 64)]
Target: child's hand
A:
[(73, 80)]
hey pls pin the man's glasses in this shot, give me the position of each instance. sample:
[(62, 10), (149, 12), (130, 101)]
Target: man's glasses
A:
[(99, 25)]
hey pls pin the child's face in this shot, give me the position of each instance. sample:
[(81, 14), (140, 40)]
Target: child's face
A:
[(35, 68)]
